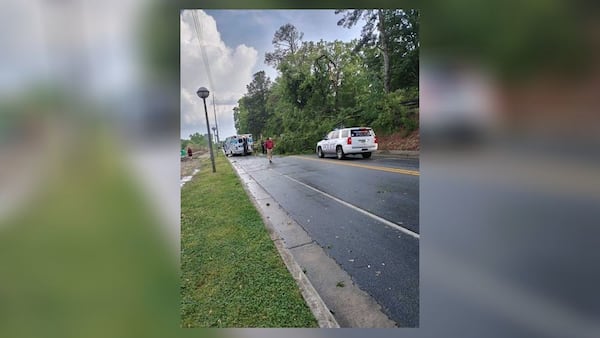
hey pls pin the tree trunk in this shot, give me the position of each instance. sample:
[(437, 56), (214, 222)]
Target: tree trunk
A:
[(385, 51)]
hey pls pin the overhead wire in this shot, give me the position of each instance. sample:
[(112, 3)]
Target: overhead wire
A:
[(199, 37)]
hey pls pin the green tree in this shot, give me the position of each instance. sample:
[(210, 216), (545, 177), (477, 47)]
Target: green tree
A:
[(198, 139), (185, 143), (240, 116), (403, 27), (286, 41), (395, 33), (374, 20), (252, 107)]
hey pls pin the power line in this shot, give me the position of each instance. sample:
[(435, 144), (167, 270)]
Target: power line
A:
[(199, 36)]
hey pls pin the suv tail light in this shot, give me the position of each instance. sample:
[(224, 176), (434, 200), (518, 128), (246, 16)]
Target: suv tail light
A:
[(375, 140), (349, 140)]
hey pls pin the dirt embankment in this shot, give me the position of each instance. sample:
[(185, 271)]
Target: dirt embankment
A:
[(189, 164), (400, 141)]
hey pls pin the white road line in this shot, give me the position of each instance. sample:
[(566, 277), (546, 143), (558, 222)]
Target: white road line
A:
[(373, 216)]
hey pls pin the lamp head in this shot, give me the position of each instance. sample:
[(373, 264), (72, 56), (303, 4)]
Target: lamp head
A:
[(202, 92)]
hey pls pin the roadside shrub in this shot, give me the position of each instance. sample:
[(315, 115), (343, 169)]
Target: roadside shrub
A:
[(395, 115)]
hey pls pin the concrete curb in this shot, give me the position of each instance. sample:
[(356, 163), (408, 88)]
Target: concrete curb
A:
[(312, 298), (405, 153)]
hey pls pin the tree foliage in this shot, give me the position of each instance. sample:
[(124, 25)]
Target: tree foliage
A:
[(251, 115), (286, 41), (185, 143), (322, 85), (395, 34), (198, 139)]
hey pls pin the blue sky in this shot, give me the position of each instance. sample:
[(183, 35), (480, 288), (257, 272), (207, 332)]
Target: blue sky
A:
[(257, 27), (235, 42)]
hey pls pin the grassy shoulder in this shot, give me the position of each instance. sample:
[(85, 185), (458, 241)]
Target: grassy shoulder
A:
[(231, 273)]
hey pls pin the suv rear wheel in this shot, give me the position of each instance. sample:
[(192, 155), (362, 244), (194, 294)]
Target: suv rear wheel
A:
[(320, 152), (339, 152), (366, 155)]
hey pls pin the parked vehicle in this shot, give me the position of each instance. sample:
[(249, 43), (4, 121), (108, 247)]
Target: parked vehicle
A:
[(249, 146), (238, 145), (348, 141)]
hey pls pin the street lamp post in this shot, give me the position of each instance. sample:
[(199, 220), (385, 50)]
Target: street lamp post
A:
[(203, 94)]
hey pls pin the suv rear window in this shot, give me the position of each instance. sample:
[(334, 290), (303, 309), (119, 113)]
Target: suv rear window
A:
[(360, 132)]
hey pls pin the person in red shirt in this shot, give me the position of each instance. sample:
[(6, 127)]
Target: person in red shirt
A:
[(269, 145)]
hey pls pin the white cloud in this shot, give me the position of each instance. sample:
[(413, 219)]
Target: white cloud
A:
[(230, 70)]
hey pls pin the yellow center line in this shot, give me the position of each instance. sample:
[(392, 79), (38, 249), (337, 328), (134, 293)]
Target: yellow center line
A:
[(390, 170)]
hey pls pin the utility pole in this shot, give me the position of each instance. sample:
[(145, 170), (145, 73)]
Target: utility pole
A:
[(215, 113)]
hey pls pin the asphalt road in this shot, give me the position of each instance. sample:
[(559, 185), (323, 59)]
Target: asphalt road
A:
[(363, 213)]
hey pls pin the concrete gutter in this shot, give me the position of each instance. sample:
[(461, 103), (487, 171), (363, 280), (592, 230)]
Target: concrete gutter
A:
[(312, 298)]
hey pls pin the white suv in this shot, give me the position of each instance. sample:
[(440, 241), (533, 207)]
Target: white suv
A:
[(348, 141)]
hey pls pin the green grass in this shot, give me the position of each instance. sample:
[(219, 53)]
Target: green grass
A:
[(232, 275)]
